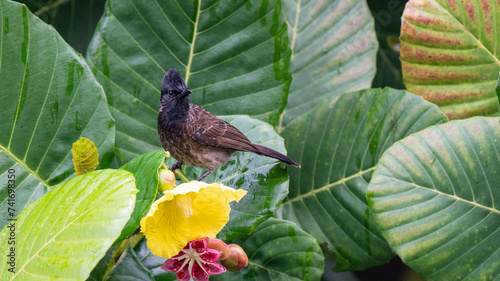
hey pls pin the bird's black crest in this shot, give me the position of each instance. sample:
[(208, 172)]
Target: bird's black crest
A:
[(173, 81)]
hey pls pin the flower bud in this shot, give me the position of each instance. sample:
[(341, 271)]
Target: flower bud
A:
[(167, 180), (219, 245), (237, 260)]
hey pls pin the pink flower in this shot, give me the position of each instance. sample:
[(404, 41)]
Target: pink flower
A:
[(195, 260)]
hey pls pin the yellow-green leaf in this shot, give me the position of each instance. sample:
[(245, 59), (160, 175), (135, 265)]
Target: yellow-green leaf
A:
[(85, 156), (64, 234)]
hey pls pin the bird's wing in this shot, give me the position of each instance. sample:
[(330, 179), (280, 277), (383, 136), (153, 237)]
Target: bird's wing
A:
[(210, 130)]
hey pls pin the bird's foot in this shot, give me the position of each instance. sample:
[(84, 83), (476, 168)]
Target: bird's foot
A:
[(204, 175), (177, 165), (209, 170)]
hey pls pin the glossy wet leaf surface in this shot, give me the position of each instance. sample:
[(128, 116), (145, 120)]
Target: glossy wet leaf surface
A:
[(265, 179), (279, 250), (234, 55), (334, 51), (338, 146), (434, 196), (145, 170), (50, 99), (67, 232), (450, 54)]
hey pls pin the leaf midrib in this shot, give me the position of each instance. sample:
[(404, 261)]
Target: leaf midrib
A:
[(326, 187), (191, 48), (23, 164), (50, 7), (295, 26), (493, 210)]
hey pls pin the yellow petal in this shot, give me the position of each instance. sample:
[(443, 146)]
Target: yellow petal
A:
[(191, 211), (210, 213), (85, 156), (165, 228)]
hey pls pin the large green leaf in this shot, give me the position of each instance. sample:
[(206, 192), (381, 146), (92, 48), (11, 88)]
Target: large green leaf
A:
[(264, 178), (66, 232), (234, 55), (279, 250), (434, 197), (450, 54), (145, 170), (334, 50), (49, 100), (339, 146)]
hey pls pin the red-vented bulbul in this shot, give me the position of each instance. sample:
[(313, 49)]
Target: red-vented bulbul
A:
[(196, 137)]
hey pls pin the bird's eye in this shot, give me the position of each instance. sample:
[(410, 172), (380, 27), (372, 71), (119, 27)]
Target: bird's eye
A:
[(170, 92)]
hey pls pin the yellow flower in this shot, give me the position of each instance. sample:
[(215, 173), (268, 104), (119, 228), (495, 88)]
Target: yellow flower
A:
[(190, 211)]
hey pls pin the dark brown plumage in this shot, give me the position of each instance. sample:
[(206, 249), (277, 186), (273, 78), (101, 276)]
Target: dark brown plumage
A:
[(196, 137)]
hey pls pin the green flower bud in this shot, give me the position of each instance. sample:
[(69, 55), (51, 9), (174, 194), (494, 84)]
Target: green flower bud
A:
[(167, 180)]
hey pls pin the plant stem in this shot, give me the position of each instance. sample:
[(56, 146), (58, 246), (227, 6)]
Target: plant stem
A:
[(50, 7), (182, 176), (116, 255), (135, 239), (132, 241)]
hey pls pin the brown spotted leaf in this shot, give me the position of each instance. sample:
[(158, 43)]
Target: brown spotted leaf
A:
[(434, 197), (450, 54)]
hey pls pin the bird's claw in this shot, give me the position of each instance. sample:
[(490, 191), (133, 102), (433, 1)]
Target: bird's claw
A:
[(177, 165)]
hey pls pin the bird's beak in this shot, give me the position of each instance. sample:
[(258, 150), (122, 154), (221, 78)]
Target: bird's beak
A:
[(185, 92)]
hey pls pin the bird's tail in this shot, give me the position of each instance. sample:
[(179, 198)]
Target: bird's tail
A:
[(262, 150)]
